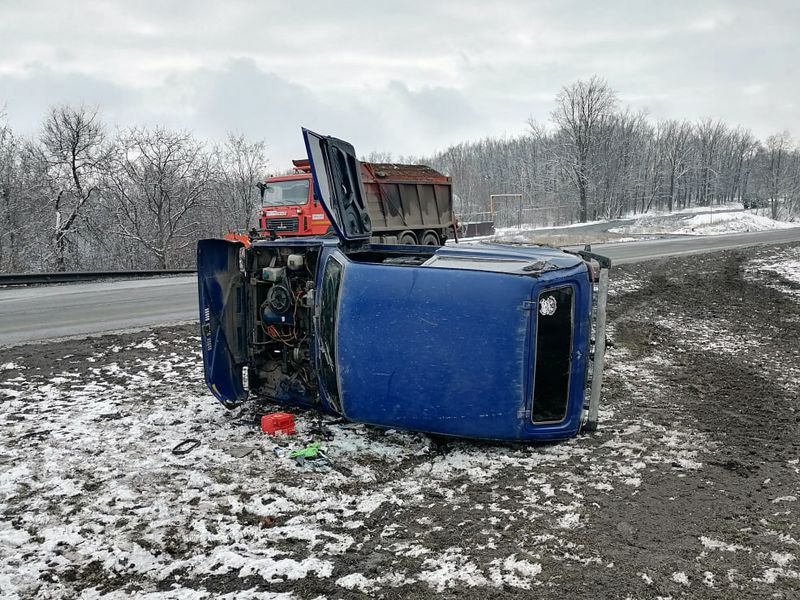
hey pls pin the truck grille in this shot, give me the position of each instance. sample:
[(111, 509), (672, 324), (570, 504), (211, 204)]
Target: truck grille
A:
[(286, 224), (553, 355)]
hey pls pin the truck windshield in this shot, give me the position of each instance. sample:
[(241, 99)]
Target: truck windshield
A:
[(286, 193)]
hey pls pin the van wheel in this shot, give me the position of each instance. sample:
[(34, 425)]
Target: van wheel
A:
[(430, 239), (407, 238)]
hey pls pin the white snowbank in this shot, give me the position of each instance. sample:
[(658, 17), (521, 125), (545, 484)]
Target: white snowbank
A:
[(702, 224), (506, 231)]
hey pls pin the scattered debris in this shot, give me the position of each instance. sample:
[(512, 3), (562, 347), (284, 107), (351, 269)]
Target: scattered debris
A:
[(185, 447), (240, 451), (313, 450), (279, 422)]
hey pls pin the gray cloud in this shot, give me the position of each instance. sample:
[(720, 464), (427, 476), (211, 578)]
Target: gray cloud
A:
[(26, 97), (405, 77)]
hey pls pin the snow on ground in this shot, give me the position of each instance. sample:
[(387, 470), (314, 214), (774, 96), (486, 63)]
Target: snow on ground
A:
[(701, 224), (511, 231), (507, 231), (699, 220), (95, 503), (781, 271)]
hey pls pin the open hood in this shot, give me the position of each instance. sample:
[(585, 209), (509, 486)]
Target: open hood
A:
[(222, 322), (338, 186)]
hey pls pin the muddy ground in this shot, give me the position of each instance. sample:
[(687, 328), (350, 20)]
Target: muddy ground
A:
[(690, 488)]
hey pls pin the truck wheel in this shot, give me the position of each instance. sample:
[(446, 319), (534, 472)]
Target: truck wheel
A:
[(407, 238), (430, 239)]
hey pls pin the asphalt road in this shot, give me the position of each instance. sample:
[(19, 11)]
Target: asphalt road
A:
[(51, 312), (57, 311), (628, 252)]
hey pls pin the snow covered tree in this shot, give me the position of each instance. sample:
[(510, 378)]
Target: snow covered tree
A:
[(157, 185), (581, 109), (74, 151)]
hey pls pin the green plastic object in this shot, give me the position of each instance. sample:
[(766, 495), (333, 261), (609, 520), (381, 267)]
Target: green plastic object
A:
[(310, 451)]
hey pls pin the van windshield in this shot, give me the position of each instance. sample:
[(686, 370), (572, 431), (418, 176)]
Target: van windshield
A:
[(286, 193), (329, 305)]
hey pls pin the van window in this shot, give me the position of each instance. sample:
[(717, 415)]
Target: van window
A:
[(329, 305)]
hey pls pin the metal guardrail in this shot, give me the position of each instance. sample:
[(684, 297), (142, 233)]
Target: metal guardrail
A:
[(75, 276)]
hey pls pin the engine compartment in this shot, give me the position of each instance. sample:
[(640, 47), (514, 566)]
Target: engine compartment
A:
[(280, 317), (281, 295)]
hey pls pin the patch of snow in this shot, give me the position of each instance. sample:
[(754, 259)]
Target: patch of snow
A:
[(712, 335), (782, 559), (357, 581), (148, 344), (680, 577), (785, 499), (513, 572), (12, 537), (776, 270), (503, 232), (569, 521), (450, 568), (772, 575), (713, 544)]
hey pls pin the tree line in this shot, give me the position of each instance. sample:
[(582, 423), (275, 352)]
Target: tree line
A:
[(601, 160), (77, 196)]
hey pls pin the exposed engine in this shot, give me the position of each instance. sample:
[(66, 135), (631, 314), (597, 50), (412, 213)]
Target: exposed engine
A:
[(282, 286)]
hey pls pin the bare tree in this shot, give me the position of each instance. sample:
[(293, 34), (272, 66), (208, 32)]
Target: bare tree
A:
[(580, 109), (675, 139), (158, 185), (65, 203), (241, 165), (774, 169), (73, 145), (710, 135), (9, 246)]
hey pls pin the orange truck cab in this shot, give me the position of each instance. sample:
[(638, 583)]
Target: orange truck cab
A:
[(407, 204), (288, 206)]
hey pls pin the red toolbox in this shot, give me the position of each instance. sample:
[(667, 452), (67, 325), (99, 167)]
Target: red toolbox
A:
[(278, 422)]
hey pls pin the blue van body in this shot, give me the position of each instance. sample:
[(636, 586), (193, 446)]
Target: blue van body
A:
[(485, 341)]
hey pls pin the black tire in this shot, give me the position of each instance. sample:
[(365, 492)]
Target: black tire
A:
[(430, 239), (407, 238)]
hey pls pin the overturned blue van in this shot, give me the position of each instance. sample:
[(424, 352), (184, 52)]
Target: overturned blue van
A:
[(488, 341)]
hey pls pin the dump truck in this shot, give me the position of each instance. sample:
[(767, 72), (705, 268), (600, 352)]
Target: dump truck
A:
[(406, 204)]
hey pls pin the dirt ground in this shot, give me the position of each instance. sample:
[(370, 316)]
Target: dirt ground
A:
[(690, 488)]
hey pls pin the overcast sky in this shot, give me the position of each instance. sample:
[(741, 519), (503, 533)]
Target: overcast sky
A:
[(407, 77)]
